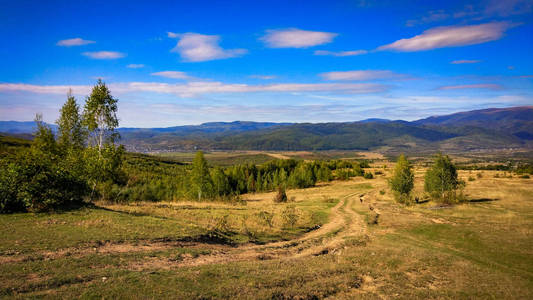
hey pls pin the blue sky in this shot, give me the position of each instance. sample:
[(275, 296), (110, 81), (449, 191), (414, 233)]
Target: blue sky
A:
[(187, 62)]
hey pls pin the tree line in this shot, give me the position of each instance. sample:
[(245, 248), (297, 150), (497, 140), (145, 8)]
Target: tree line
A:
[(154, 179)]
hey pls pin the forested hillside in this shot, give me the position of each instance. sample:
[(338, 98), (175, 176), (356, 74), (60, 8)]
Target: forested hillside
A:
[(481, 129)]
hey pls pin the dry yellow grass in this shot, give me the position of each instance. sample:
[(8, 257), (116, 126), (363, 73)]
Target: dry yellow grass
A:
[(479, 249)]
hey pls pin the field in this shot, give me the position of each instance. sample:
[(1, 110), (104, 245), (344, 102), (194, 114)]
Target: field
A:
[(343, 239)]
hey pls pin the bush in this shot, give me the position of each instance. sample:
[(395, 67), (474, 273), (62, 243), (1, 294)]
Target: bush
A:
[(525, 176), (289, 216), (470, 178), (368, 175), (281, 196), (37, 181)]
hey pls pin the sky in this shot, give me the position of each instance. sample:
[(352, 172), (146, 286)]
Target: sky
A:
[(188, 62)]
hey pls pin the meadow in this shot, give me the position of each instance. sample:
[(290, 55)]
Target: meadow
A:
[(339, 240)]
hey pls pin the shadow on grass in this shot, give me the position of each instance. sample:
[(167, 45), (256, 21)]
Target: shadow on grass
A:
[(482, 200), (129, 213)]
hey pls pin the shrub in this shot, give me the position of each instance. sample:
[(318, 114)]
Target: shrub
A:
[(470, 178), (368, 175), (281, 196), (290, 216), (525, 176), (479, 175)]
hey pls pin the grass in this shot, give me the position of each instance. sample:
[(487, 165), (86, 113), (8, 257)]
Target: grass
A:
[(480, 249)]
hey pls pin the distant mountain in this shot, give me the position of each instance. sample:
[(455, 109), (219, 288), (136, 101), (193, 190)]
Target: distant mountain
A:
[(15, 127), (374, 120), (473, 130), (212, 127), (517, 121)]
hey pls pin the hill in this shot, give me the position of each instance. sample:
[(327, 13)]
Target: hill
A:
[(517, 121), (493, 128)]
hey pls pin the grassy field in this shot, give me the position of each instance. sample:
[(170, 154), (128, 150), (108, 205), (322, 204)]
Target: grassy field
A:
[(223, 158), (340, 240)]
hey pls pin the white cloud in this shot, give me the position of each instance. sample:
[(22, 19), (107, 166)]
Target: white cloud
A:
[(135, 66), (472, 86), (172, 74), (265, 77), (195, 47), (296, 38), (104, 54), (450, 36), (358, 75), (465, 61), (74, 42), (44, 89), (191, 89), (340, 53)]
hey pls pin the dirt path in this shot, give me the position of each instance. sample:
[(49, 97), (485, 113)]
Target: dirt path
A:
[(344, 224)]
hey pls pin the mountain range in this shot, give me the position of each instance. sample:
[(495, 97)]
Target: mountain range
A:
[(494, 128)]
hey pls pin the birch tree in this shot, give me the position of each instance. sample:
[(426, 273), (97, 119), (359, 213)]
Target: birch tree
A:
[(100, 116)]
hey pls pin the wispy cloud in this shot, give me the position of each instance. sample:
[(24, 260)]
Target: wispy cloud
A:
[(508, 7), (431, 16), (465, 61), (191, 89), (472, 86), (44, 89), (296, 38), (104, 54), (358, 75), (172, 74), (135, 66), (265, 77), (340, 53), (195, 47), (450, 36), (74, 42)]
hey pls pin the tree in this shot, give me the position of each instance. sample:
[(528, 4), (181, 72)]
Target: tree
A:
[(220, 182), (201, 180), (402, 181), (70, 133), (441, 180), (100, 115), (44, 139)]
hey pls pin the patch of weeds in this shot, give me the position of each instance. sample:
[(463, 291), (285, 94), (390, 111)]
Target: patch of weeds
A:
[(290, 216), (266, 217)]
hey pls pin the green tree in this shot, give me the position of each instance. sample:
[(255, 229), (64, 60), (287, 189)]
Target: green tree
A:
[(220, 181), (70, 133), (44, 139), (100, 115), (402, 181), (200, 178), (441, 180)]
